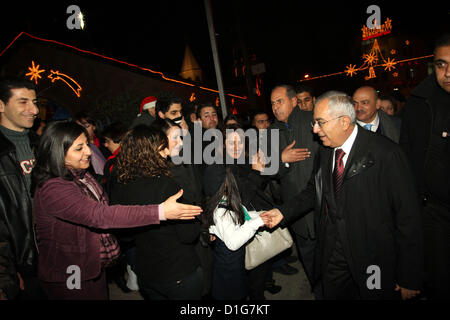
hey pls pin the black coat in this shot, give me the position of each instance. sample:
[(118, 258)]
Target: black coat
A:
[(388, 127), (295, 176), (426, 116), (166, 251), (18, 251), (377, 216)]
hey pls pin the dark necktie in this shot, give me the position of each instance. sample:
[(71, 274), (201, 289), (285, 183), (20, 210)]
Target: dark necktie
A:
[(338, 173)]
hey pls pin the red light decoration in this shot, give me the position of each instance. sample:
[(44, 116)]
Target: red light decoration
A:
[(112, 59), (382, 30)]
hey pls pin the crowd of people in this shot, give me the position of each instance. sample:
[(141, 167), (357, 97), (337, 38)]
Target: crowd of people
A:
[(362, 182)]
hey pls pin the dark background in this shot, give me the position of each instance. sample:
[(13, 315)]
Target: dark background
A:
[(291, 38)]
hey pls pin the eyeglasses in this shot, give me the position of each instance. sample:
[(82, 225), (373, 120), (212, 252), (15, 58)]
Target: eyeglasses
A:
[(322, 123)]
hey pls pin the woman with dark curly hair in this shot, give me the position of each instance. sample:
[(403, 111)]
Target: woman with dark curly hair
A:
[(167, 265), (72, 216)]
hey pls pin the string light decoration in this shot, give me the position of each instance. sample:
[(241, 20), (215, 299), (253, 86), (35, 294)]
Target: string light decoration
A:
[(35, 72), (163, 76), (390, 64), (351, 70), (374, 58), (56, 75), (369, 33), (371, 60)]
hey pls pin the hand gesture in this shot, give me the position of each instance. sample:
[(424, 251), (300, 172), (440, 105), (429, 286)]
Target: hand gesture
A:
[(259, 161), (184, 126), (407, 293), (291, 154), (178, 211), (273, 217)]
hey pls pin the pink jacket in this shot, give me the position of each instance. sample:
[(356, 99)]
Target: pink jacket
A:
[(66, 222)]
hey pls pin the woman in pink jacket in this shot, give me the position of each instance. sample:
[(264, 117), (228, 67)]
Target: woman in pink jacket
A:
[(72, 216)]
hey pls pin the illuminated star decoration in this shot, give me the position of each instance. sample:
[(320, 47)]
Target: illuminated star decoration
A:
[(56, 75), (34, 73), (351, 70), (370, 58), (389, 64)]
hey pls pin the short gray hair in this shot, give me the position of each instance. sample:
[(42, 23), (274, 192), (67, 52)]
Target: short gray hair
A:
[(290, 91), (339, 104)]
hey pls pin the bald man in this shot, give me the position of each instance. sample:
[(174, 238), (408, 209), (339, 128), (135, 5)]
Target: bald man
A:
[(370, 117)]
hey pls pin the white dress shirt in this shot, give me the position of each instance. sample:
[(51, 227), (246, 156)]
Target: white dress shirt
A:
[(375, 123), (347, 147)]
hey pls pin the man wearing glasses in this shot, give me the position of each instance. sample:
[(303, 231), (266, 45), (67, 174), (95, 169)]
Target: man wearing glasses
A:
[(369, 242)]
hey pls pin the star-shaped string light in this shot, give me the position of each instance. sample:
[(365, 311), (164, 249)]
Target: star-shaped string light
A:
[(351, 70), (34, 73), (370, 58), (389, 64)]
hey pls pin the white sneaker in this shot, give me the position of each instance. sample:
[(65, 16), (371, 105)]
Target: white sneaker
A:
[(132, 280)]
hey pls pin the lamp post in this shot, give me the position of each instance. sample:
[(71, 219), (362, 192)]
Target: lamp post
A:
[(212, 37)]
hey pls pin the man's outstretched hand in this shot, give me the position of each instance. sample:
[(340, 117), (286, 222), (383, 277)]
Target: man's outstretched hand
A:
[(272, 217)]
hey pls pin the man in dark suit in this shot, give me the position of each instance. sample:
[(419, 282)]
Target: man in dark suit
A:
[(297, 148), (368, 226), (370, 117)]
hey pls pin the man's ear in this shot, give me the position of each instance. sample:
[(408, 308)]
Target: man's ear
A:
[(378, 104), (2, 106), (345, 122), (161, 115)]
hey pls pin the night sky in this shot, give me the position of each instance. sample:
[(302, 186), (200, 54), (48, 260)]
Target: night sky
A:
[(291, 37)]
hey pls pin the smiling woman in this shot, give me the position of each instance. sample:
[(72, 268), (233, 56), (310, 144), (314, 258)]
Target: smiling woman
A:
[(72, 215), (79, 153)]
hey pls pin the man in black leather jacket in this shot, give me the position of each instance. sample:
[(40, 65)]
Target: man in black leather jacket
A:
[(18, 253)]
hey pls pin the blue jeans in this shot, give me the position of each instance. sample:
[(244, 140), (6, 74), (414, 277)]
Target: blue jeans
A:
[(188, 288)]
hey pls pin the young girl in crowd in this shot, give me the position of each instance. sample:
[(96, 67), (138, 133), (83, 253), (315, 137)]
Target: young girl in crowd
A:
[(72, 216), (226, 213), (167, 265)]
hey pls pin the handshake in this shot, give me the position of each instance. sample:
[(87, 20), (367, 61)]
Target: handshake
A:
[(271, 218)]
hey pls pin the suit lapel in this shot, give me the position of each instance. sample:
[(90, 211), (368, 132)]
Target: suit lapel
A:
[(326, 166), (359, 158)]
